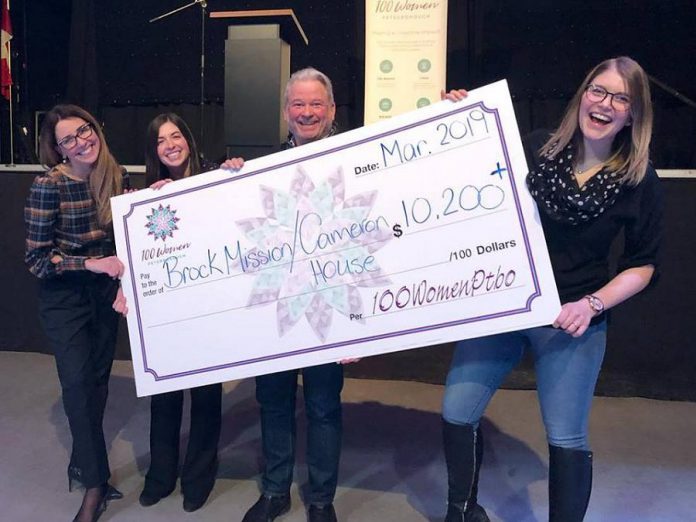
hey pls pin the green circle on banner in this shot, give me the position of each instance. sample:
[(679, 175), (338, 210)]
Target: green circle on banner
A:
[(386, 66), (422, 102), (385, 104), (424, 65)]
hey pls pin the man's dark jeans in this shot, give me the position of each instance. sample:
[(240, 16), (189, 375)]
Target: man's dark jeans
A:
[(276, 393)]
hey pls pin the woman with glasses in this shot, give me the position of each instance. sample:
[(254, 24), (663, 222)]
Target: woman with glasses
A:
[(592, 181), (70, 248)]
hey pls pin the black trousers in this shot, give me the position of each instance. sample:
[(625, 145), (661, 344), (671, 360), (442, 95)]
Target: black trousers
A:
[(200, 464), (76, 315)]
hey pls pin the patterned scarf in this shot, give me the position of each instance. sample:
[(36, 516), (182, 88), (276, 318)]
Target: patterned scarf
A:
[(553, 186)]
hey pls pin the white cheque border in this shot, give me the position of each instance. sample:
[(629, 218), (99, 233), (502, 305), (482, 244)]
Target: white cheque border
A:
[(305, 350)]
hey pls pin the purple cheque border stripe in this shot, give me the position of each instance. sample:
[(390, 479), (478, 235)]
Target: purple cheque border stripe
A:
[(530, 257)]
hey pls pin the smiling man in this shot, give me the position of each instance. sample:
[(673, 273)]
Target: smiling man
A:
[(309, 110)]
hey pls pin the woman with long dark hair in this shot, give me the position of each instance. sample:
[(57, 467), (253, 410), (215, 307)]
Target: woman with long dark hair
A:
[(592, 181), (70, 248), (171, 154)]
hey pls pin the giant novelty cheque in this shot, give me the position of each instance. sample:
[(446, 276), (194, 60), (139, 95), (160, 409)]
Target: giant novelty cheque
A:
[(410, 232)]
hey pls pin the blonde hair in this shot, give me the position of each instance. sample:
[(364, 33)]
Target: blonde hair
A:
[(105, 179), (631, 145)]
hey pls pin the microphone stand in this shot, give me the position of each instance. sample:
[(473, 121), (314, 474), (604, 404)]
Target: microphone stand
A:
[(679, 96), (204, 6)]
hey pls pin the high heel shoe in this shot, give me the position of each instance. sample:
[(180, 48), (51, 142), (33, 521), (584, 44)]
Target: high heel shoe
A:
[(112, 493), (99, 504)]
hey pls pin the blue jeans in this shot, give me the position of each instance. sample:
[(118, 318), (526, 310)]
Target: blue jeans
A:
[(275, 393), (566, 372)]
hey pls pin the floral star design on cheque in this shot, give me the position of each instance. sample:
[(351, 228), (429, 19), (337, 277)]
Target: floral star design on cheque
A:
[(317, 248), (162, 222)]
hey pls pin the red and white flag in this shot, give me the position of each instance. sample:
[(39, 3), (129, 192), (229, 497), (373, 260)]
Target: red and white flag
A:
[(5, 37)]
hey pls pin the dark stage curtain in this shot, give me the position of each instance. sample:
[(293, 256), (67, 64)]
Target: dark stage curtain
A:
[(83, 81), (119, 59)]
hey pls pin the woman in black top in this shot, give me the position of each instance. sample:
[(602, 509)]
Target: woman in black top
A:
[(171, 154), (70, 248), (591, 179)]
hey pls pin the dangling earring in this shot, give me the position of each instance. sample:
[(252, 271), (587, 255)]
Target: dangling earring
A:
[(65, 159)]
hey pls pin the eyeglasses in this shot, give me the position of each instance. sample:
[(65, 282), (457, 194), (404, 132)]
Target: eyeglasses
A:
[(83, 132), (315, 105), (619, 100)]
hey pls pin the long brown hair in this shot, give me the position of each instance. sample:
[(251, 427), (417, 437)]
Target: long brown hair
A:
[(155, 170), (105, 179), (631, 145)]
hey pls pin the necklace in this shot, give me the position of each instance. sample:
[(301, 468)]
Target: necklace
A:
[(580, 171)]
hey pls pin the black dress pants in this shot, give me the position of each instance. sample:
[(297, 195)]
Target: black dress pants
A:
[(200, 464), (76, 315)]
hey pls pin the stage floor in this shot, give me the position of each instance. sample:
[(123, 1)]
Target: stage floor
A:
[(392, 464)]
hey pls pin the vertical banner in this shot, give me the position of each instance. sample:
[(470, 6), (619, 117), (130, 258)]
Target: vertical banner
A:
[(405, 55)]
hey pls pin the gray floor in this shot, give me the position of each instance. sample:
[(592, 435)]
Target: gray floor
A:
[(392, 466)]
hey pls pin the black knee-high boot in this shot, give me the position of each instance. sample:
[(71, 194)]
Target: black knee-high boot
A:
[(463, 451), (570, 483)]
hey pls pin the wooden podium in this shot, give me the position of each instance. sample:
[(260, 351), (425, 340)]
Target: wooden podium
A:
[(257, 66)]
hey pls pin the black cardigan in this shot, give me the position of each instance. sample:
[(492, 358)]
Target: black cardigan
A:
[(580, 253)]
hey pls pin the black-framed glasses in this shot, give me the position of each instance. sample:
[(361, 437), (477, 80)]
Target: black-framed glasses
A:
[(84, 132), (619, 100)]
